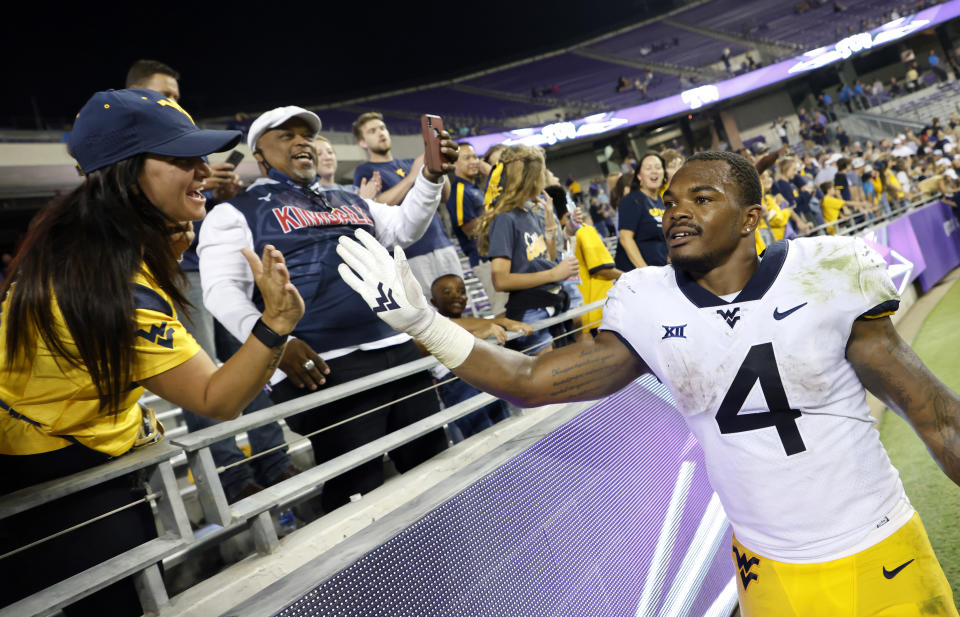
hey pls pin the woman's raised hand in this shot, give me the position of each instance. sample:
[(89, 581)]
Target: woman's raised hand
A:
[(282, 305)]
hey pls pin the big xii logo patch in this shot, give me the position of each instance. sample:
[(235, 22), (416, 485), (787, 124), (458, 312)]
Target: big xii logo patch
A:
[(673, 331)]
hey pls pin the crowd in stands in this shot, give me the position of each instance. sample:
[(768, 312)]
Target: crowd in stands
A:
[(836, 178), (534, 243)]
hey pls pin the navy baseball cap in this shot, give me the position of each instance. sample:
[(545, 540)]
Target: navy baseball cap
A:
[(117, 124)]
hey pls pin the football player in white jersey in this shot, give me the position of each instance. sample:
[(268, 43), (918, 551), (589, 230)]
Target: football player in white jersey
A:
[(767, 358)]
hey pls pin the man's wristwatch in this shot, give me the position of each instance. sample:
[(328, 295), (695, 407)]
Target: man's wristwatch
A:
[(267, 336)]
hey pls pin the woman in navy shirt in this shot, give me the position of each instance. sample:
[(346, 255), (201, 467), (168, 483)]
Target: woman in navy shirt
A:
[(641, 242)]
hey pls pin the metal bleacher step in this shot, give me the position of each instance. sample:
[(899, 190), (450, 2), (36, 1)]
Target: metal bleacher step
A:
[(172, 419)]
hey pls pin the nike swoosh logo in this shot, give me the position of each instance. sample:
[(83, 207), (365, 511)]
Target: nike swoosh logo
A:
[(888, 574), (778, 315)]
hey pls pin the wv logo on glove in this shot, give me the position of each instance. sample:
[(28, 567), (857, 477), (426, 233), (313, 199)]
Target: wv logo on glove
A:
[(385, 302), (384, 282)]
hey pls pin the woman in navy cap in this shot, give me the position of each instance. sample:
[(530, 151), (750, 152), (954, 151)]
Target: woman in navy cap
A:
[(90, 318)]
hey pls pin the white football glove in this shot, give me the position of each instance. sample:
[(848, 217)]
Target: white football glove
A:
[(385, 283), (390, 289)]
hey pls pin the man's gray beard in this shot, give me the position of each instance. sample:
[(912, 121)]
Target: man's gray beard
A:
[(305, 176)]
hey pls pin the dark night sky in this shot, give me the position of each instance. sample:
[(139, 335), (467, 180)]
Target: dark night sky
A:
[(232, 58)]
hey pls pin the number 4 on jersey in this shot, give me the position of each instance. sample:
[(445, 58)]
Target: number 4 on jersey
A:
[(761, 364)]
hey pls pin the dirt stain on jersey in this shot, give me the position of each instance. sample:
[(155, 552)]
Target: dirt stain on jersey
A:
[(694, 390), (935, 606), (833, 269)]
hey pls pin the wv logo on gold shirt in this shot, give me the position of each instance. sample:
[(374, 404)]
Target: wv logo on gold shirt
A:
[(158, 334)]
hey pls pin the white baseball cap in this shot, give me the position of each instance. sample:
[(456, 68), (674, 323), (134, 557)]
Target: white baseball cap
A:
[(275, 117), (826, 175), (857, 163)]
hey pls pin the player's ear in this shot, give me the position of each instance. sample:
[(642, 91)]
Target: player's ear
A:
[(751, 218)]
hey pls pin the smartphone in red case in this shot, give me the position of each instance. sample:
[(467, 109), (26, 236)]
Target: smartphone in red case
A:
[(431, 127)]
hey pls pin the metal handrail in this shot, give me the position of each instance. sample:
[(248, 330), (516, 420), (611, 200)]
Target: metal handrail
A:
[(883, 218), (204, 437), (252, 512)]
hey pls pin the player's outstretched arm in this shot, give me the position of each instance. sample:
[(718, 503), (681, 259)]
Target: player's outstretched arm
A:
[(890, 369), (582, 371)]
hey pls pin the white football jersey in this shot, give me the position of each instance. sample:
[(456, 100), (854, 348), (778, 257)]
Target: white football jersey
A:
[(764, 384)]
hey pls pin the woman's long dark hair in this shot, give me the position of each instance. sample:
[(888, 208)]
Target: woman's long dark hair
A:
[(83, 250)]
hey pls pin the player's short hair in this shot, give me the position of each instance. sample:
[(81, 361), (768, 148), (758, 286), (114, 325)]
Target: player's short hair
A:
[(465, 143), (744, 173), (142, 70), (363, 119), (826, 186)]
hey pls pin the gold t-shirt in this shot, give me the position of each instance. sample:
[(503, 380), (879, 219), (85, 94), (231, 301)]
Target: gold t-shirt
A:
[(49, 403)]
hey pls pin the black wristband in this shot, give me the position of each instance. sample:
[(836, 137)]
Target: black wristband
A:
[(267, 336)]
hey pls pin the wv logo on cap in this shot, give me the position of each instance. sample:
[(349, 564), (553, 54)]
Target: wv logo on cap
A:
[(175, 105)]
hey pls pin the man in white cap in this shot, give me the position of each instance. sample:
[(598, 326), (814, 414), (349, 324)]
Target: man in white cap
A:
[(340, 338)]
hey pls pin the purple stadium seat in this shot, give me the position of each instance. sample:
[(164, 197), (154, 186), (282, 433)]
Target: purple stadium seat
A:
[(655, 43)]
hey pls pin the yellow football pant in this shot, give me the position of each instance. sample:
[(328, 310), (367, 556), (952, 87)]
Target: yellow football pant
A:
[(899, 577)]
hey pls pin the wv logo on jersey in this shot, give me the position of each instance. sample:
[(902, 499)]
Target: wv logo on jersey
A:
[(743, 567), (673, 332), (385, 302), (161, 335), (731, 316)]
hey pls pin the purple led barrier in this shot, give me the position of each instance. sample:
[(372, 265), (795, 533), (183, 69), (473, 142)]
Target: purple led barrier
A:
[(938, 236), (924, 245), (695, 98), (611, 514)]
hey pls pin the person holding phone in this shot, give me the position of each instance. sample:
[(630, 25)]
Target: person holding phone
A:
[(340, 339), (91, 318), (433, 255)]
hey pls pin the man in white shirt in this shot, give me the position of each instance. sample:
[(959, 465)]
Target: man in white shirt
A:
[(341, 338)]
